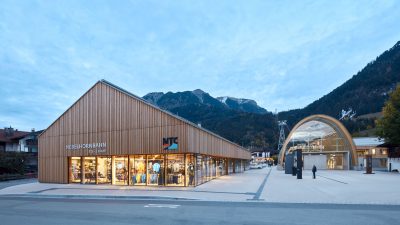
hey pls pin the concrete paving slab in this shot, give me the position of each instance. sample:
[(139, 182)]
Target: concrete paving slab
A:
[(340, 187)]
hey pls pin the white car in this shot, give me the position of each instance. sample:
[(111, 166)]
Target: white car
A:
[(255, 166)]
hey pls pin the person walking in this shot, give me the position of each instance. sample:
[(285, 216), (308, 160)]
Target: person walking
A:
[(314, 170)]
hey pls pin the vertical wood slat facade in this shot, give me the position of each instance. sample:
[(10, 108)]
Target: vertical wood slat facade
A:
[(128, 125)]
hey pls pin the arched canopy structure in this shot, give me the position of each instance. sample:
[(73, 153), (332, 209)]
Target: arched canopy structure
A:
[(323, 141)]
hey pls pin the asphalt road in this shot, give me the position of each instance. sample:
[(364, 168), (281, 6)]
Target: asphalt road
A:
[(22, 210)]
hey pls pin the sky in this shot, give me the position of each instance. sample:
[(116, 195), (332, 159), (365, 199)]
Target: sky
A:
[(283, 54)]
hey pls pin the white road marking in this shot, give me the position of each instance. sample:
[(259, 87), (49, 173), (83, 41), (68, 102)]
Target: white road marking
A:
[(161, 206)]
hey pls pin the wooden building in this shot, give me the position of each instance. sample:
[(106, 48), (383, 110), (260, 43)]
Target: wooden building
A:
[(111, 136)]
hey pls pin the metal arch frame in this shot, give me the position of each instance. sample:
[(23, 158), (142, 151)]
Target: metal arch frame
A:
[(335, 124)]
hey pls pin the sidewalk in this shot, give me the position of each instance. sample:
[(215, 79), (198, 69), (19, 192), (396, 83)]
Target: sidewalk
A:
[(235, 187), (340, 187), (263, 185)]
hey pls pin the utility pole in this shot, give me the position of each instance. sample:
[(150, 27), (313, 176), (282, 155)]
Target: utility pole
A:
[(281, 124)]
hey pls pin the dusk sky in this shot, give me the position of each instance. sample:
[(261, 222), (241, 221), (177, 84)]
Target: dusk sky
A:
[(283, 54)]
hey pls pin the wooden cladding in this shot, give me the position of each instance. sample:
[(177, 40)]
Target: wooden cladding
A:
[(127, 125)]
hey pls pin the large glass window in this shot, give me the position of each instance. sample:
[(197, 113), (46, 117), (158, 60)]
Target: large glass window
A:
[(138, 170), (90, 170), (220, 167), (155, 170), (190, 170), (205, 169), (75, 171), (230, 166), (175, 170), (104, 170), (213, 168), (120, 175)]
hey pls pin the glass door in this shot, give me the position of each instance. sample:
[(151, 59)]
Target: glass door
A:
[(90, 170)]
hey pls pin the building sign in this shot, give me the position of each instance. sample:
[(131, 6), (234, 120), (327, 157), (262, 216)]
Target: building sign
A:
[(170, 143), (89, 146)]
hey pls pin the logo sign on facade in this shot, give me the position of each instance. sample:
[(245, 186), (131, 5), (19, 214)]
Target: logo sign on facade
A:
[(170, 143), (93, 148)]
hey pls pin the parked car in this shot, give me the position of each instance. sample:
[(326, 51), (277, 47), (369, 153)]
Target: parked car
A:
[(255, 166)]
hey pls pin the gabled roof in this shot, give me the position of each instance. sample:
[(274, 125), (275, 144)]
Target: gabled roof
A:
[(14, 136), (368, 141), (147, 103)]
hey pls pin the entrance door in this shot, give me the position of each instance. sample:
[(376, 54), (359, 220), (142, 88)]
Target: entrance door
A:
[(90, 170)]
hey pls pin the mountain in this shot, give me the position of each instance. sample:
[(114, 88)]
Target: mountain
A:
[(364, 93), (172, 100), (242, 104), (239, 120)]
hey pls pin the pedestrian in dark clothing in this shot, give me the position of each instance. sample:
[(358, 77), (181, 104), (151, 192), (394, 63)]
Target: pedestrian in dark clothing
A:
[(314, 170)]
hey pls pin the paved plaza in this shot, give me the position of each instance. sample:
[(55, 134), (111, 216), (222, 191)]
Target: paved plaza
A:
[(263, 185)]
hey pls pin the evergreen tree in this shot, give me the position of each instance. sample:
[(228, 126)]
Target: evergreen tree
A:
[(389, 124)]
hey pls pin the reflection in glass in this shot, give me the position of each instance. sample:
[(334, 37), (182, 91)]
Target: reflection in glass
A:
[(104, 170), (316, 136), (75, 170), (90, 170)]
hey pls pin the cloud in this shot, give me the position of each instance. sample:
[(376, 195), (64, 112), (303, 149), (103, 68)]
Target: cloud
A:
[(282, 54)]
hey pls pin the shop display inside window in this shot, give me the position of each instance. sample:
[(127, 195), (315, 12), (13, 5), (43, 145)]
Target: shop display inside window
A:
[(121, 170), (90, 170), (104, 170), (176, 170), (155, 170), (138, 170), (75, 170)]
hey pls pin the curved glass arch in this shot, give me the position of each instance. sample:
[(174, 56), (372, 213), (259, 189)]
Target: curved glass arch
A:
[(316, 136), (322, 145)]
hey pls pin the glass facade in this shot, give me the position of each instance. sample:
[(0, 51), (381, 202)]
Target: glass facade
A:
[(151, 170), (322, 145)]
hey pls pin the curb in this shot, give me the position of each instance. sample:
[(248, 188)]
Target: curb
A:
[(96, 197)]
